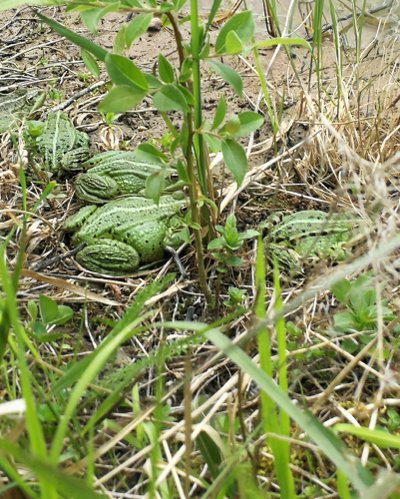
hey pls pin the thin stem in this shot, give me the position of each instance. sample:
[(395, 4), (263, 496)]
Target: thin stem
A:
[(196, 79), (193, 196), (190, 120)]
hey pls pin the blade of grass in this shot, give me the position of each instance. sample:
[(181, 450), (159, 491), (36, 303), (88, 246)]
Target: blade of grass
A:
[(35, 430), (328, 442), (271, 417), (284, 421), (73, 37), (98, 360), (69, 486)]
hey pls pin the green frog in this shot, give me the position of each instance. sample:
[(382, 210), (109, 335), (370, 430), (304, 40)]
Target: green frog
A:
[(115, 173), (62, 146), (18, 105), (307, 236), (124, 233)]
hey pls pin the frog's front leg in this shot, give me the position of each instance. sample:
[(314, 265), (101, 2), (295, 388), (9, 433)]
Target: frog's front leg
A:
[(287, 258), (108, 256)]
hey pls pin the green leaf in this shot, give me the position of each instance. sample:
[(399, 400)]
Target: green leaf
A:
[(205, 51), (165, 70), (92, 16), (121, 99), (148, 152), (137, 27), (213, 12), (188, 95), (381, 438), (209, 449), (170, 98), (153, 82), (123, 71), (249, 122), (233, 261), (32, 310), (227, 74), (235, 159), (186, 70), (231, 127), (220, 113), (243, 24), (233, 44), (283, 41), (65, 313), (213, 142), (345, 322), (166, 7), (216, 243), (79, 40), (119, 41), (182, 172), (341, 289), (155, 185), (90, 62), (48, 309), (12, 4), (52, 313)]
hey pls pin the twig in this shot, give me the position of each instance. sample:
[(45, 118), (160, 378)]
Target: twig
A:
[(56, 259), (79, 94)]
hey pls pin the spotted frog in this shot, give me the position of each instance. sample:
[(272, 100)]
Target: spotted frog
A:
[(63, 148), (307, 236), (115, 173), (124, 233)]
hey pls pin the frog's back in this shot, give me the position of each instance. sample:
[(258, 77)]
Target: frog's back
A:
[(123, 214), (311, 222)]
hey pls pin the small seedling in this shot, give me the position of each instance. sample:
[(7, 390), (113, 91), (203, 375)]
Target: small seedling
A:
[(360, 300), (236, 296), (51, 314), (225, 247)]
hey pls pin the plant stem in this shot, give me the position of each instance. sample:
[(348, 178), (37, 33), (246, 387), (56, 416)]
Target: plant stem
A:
[(195, 212), (195, 119), (196, 43)]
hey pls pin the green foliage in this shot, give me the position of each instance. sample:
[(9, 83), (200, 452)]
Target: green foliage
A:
[(178, 89), (360, 300), (225, 247), (236, 297)]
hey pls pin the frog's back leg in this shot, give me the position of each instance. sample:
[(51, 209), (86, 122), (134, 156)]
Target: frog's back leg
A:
[(109, 257), (72, 160), (147, 238), (95, 188)]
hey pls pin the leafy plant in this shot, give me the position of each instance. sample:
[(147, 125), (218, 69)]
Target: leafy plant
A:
[(177, 89), (236, 296), (225, 247), (360, 300)]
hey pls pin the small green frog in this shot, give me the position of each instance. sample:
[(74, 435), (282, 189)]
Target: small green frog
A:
[(115, 173), (124, 233), (18, 105), (62, 146), (307, 236)]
